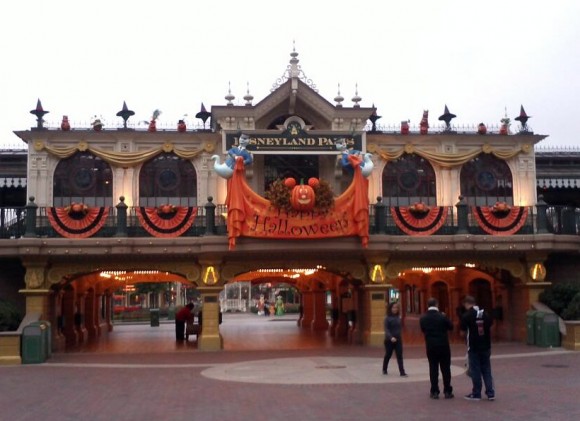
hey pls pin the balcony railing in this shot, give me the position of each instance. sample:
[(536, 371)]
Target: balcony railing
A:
[(32, 221)]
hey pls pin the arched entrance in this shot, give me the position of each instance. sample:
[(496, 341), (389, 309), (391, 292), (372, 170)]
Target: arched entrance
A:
[(324, 311)]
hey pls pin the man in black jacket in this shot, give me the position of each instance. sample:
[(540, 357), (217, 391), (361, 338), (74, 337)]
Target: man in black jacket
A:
[(436, 326), (477, 323)]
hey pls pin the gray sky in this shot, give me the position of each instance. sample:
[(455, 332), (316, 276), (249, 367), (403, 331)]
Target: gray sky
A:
[(84, 58)]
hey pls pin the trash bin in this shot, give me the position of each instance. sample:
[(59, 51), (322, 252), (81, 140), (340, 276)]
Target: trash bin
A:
[(547, 330), (35, 343), (154, 313), (531, 327)]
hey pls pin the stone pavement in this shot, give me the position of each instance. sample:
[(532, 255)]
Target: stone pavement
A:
[(141, 373)]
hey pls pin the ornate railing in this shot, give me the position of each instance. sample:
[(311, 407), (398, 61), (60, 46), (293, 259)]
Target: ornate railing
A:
[(32, 221)]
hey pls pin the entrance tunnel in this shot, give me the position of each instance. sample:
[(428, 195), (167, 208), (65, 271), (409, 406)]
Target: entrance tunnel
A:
[(133, 311)]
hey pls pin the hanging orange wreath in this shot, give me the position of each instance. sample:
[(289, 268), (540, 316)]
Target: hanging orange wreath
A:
[(496, 220), (166, 220), (419, 220), (77, 220)]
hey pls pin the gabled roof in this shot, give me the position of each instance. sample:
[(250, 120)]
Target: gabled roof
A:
[(295, 94)]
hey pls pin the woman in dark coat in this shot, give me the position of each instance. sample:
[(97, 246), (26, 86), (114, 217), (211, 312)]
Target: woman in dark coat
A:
[(393, 340)]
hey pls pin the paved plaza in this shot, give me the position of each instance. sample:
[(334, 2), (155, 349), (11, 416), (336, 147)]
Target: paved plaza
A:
[(272, 370)]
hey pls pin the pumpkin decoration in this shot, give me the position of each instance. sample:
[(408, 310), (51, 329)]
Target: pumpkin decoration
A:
[(500, 208), (303, 197), (281, 193), (313, 182), (77, 209), (166, 209), (419, 208), (290, 182)]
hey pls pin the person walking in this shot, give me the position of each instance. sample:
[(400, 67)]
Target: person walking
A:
[(476, 324), (181, 319), (393, 340), (436, 326)]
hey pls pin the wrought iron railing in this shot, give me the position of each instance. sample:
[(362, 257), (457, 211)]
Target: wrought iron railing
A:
[(32, 221)]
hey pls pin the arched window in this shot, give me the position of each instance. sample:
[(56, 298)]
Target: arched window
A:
[(168, 179), (83, 178), (486, 180), (407, 180)]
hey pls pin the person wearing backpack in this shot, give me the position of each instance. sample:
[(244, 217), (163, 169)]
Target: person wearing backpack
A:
[(476, 324)]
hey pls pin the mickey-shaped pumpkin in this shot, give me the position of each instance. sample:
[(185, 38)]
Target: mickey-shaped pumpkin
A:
[(302, 197)]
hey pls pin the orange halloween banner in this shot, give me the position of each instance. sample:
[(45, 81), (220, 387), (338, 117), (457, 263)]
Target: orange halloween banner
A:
[(251, 215)]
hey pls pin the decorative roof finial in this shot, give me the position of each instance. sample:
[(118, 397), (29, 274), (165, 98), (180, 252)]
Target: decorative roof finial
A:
[(373, 118), (294, 69), (447, 117), (203, 115), (39, 113), (356, 98), (248, 98), (229, 97), (523, 119), (338, 98), (125, 113)]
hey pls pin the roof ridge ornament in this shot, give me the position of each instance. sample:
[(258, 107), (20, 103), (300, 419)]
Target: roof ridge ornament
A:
[(229, 97), (293, 71), (338, 98), (356, 98)]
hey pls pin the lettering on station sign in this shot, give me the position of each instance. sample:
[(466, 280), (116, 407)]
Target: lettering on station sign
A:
[(294, 138)]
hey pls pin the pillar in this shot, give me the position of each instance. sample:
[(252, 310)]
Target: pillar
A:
[(91, 316), (58, 339), (210, 338), (79, 316), (375, 299), (109, 311), (68, 315), (307, 309), (319, 321), (334, 313)]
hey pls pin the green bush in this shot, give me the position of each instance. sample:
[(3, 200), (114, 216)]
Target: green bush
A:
[(10, 318), (564, 299), (572, 311)]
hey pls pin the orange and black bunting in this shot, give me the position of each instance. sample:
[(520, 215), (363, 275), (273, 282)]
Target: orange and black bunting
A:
[(426, 222), (166, 224), (507, 222), (82, 224)]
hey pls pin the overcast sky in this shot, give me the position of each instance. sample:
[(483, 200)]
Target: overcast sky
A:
[(84, 58)]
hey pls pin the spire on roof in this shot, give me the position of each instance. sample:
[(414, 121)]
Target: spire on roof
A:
[(293, 71), (229, 97), (338, 98)]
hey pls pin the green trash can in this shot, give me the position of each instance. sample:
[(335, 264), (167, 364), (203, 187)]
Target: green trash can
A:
[(531, 327), (547, 330), (35, 343), (154, 313)]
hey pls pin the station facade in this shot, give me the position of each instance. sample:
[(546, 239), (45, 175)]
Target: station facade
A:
[(420, 212)]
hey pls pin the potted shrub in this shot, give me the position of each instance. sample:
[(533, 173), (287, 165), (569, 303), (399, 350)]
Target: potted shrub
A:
[(564, 299)]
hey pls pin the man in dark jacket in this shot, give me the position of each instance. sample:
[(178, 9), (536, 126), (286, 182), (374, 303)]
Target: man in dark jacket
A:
[(436, 326), (476, 323)]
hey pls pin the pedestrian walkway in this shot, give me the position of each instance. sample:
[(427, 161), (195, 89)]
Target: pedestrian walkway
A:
[(141, 373)]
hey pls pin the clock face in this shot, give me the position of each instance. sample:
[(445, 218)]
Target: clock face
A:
[(538, 272)]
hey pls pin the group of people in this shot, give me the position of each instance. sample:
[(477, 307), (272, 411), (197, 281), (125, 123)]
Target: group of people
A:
[(475, 324), (265, 308)]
